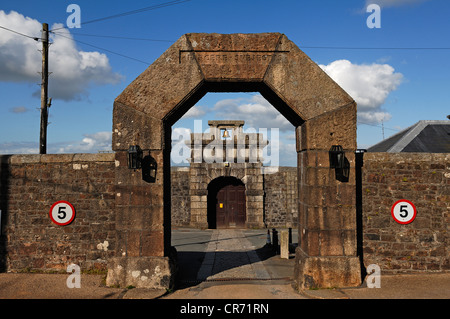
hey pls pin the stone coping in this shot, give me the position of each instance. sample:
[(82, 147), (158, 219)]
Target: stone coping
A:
[(384, 156), (56, 158)]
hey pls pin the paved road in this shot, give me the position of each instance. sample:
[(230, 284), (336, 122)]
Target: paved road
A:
[(231, 262), (225, 254)]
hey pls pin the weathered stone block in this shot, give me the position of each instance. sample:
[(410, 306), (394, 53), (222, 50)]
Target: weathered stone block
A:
[(152, 243), (141, 272), (133, 243), (326, 272), (284, 244), (238, 63)]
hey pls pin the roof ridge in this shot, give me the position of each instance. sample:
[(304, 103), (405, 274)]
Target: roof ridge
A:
[(414, 130), (399, 141)]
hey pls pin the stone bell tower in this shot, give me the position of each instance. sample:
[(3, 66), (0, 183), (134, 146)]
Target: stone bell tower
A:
[(226, 155), (227, 143)]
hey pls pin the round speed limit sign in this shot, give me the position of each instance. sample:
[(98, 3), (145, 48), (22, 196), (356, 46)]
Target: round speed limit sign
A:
[(62, 213), (403, 212)]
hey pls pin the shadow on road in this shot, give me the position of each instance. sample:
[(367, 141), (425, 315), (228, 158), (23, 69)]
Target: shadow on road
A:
[(189, 263)]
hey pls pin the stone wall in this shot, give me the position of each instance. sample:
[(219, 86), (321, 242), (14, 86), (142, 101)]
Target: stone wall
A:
[(424, 179), (30, 184), (281, 198), (181, 200)]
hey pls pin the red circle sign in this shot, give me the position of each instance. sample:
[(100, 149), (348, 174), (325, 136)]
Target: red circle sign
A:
[(403, 211), (62, 213)]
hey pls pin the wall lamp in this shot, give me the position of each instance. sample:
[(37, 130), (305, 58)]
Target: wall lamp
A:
[(134, 157), (337, 156), (339, 163), (149, 168)]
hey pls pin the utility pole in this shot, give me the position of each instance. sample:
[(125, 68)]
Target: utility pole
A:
[(44, 92)]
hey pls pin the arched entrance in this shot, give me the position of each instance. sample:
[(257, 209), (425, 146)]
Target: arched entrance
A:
[(322, 113), (226, 203)]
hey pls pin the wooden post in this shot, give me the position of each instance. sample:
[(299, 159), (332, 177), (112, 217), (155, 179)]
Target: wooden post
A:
[(44, 92)]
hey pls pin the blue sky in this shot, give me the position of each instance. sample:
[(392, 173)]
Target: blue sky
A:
[(394, 88)]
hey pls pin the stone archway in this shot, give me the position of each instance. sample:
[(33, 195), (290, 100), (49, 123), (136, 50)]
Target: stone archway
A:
[(323, 114)]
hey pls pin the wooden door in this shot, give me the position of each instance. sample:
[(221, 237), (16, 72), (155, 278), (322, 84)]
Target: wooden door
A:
[(230, 207)]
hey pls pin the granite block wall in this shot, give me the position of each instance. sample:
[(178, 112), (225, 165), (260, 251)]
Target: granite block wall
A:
[(279, 199), (281, 195), (181, 200), (30, 184), (423, 179)]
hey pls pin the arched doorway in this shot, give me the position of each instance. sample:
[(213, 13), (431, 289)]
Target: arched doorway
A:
[(226, 203)]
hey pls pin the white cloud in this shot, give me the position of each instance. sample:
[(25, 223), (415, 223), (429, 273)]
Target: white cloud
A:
[(288, 154), (91, 143), (19, 109), (195, 112), (374, 117), (19, 148), (255, 111), (368, 84), (394, 3), (73, 71)]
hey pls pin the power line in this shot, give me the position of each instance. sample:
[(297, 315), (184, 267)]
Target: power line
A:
[(379, 126), (116, 37), (302, 47), (181, 1), (154, 7), (97, 47), (24, 35), (373, 48)]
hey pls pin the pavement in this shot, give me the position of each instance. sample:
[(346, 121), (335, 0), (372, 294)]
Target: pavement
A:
[(224, 264)]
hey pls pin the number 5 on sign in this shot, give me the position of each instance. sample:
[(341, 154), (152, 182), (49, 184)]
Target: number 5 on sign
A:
[(403, 212), (62, 213)]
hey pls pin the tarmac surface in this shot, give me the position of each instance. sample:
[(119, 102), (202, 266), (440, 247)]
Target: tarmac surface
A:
[(224, 264)]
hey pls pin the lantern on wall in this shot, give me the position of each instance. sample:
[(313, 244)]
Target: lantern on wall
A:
[(339, 163), (134, 157), (149, 169), (337, 156)]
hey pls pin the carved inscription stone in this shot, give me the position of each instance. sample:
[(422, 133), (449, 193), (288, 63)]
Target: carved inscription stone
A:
[(231, 64), (206, 57)]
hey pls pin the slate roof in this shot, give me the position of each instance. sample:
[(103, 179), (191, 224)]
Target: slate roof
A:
[(424, 136)]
